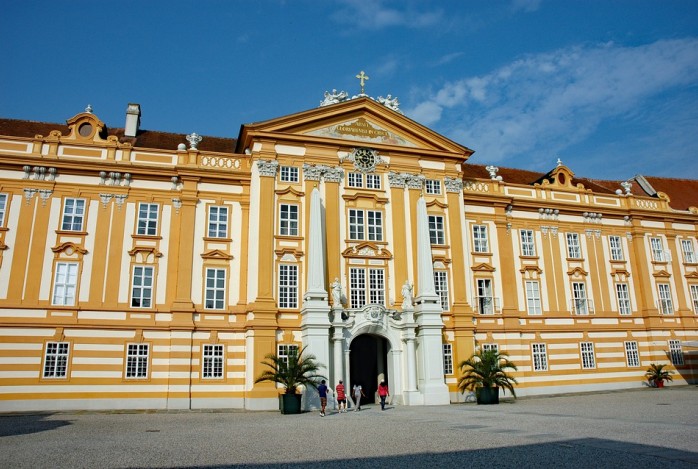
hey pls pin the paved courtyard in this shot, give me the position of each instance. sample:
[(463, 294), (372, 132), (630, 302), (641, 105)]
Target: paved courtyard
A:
[(639, 428)]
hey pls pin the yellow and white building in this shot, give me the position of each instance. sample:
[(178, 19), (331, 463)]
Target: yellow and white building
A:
[(143, 269)]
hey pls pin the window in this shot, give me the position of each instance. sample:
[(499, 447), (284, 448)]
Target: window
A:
[(288, 286), (675, 352), (217, 222), (73, 215), (65, 284), (657, 250), (533, 297), (490, 348), (56, 360), (616, 248), (588, 360), (137, 361), (373, 181), (289, 174), (3, 208), (432, 186), (355, 180), (665, 304), (215, 289), (375, 225), (147, 219), (436, 230), (574, 251), (540, 357), (359, 279), (361, 221), (441, 286), (288, 220), (448, 359), (694, 297), (623, 295), (632, 357), (212, 361), (689, 255), (528, 246), (286, 350), (480, 238), (142, 287), (580, 304), (484, 299)]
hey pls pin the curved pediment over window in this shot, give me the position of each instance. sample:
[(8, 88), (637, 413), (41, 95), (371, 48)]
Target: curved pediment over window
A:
[(577, 272), (367, 250), (69, 249)]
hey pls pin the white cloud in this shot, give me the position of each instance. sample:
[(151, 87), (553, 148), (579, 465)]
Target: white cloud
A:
[(375, 15), (525, 5)]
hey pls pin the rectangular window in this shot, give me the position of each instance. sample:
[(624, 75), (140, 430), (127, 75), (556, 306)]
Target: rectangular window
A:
[(432, 186), (215, 289), (632, 357), (484, 299), (147, 219), (65, 284), (623, 295), (657, 250), (533, 298), (3, 209), (361, 221), (437, 235), (448, 359), (694, 297), (540, 357), (676, 352), (212, 361), (588, 360), (73, 215), (580, 303), (480, 238), (286, 350), (359, 295), (666, 306), (137, 361), (490, 348), (441, 285), (355, 180), (56, 360), (574, 251), (528, 245), (217, 222), (376, 284), (373, 181), (288, 220), (142, 287), (289, 174), (375, 225), (689, 255), (616, 248), (288, 286), (356, 224)]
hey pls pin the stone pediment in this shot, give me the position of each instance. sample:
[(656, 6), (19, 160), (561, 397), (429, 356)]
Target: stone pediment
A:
[(483, 267), (369, 250), (216, 254)]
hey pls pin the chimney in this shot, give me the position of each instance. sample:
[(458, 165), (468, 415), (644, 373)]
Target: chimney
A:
[(133, 120)]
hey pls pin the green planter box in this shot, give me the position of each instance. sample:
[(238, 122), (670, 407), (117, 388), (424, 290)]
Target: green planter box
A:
[(290, 403), (487, 395)]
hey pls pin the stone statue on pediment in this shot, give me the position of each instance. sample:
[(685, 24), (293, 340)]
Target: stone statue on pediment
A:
[(334, 97)]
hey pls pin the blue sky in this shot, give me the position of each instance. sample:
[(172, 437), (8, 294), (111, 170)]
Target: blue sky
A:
[(610, 87)]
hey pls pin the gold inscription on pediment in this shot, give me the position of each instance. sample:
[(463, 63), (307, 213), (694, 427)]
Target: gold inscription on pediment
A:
[(361, 128)]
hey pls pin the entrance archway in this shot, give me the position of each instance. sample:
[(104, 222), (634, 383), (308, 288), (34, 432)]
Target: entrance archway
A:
[(368, 364)]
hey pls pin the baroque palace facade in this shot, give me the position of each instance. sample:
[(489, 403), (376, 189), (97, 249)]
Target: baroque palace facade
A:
[(140, 271)]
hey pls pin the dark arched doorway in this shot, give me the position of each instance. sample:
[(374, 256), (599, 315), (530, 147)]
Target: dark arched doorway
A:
[(368, 364)]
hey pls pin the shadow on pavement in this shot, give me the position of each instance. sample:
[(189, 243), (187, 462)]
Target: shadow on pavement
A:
[(25, 424)]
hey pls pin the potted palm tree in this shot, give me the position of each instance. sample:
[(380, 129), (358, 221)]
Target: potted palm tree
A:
[(298, 369), (656, 375), (485, 372)]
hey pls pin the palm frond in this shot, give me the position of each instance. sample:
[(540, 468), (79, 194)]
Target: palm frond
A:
[(486, 369)]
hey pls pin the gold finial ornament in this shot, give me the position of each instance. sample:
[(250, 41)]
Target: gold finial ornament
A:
[(362, 79)]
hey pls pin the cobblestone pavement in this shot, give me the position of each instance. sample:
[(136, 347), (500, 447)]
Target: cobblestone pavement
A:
[(638, 428)]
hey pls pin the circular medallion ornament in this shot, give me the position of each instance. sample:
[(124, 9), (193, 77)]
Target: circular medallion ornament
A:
[(365, 159)]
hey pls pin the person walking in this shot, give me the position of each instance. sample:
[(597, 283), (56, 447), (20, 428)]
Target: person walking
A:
[(340, 391), (358, 392), (322, 391), (383, 392)]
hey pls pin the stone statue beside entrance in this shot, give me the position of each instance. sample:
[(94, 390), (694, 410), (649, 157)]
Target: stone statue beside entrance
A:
[(407, 295), (336, 293)]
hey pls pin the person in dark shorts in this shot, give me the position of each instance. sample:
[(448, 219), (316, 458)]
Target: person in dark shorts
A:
[(322, 391), (341, 392)]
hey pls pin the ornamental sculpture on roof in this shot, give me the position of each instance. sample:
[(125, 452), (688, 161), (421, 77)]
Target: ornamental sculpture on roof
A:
[(335, 97)]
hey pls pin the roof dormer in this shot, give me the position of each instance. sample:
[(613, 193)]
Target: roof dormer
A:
[(85, 127)]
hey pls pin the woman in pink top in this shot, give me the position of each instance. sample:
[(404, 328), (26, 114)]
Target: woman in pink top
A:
[(383, 392)]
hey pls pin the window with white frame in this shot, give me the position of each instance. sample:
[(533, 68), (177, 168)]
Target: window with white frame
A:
[(366, 286), (212, 366), (448, 359), (490, 348), (441, 286), (137, 360), (217, 221), (540, 357), (616, 248), (288, 286), (65, 284), (363, 222), (588, 360), (632, 357), (657, 250), (3, 209), (437, 234), (142, 286), (689, 255), (355, 180), (675, 352), (215, 289), (623, 296), (432, 186), (147, 219), (284, 351), (289, 174), (480, 238), (528, 245), (580, 304), (373, 181), (56, 360), (694, 297), (288, 220), (533, 297), (666, 305), (574, 250), (484, 300), (73, 215)]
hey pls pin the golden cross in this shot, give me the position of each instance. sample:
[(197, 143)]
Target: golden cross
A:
[(362, 78)]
